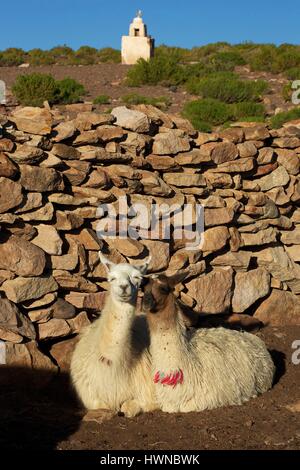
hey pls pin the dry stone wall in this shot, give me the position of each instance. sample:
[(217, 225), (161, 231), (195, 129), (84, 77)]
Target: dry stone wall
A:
[(56, 169)]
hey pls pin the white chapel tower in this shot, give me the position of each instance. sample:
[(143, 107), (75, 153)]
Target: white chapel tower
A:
[(138, 44)]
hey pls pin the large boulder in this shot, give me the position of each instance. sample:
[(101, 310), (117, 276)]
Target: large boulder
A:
[(10, 194), (212, 291), (249, 287), (22, 257), (280, 308), (33, 120), (130, 119)]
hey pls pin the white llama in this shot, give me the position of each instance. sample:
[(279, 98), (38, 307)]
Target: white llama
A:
[(110, 367), (211, 368)]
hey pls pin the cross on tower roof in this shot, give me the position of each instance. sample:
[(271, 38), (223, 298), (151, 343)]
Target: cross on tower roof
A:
[(139, 14)]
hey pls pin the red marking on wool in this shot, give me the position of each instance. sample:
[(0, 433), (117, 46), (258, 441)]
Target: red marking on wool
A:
[(170, 379)]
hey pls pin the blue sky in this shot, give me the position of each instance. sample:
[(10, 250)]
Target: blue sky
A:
[(100, 23)]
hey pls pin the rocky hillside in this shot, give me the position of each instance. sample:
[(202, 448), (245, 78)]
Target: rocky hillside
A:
[(54, 173)]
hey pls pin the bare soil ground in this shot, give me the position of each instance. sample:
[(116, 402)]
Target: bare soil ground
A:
[(101, 79), (107, 79), (51, 419)]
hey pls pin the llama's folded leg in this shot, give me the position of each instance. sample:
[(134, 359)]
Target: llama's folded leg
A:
[(131, 408), (99, 416)]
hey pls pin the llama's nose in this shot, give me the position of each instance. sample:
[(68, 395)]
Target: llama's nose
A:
[(123, 288)]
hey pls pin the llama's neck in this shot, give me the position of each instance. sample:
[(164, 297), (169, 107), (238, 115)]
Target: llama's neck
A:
[(115, 328), (168, 343)]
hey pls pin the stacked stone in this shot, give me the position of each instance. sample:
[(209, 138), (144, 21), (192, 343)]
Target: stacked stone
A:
[(54, 173)]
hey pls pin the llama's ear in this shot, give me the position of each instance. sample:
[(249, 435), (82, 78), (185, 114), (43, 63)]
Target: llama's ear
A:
[(144, 267), (176, 278), (108, 264)]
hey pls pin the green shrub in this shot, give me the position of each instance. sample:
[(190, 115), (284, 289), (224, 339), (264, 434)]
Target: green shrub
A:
[(225, 61), (207, 111), (160, 69), (293, 73), (287, 91), (62, 54), (108, 54), (248, 110), (69, 91), (39, 57), (279, 119), (263, 58), (34, 89), (134, 98), (12, 56), (195, 84), (102, 99), (227, 88), (86, 55)]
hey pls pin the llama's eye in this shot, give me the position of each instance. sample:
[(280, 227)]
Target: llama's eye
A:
[(112, 279), (136, 279), (165, 289)]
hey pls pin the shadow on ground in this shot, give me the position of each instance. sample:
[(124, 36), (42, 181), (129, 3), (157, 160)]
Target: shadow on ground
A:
[(37, 410)]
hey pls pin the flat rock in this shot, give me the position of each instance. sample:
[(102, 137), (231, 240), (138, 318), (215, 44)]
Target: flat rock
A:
[(280, 308), (289, 160), (209, 299), (215, 239), (41, 302), (247, 149), (218, 216), (68, 220), (293, 252), (30, 202), (6, 145), (7, 167), (224, 152), (84, 300), (33, 120), (185, 179), (48, 239), (169, 143), (240, 165), (126, 246), (62, 352), (53, 328), (292, 237), (40, 179), (78, 323), (161, 162), (110, 133), (194, 157), (239, 260), (27, 154), (249, 287), (64, 130), (130, 119), (44, 213), (25, 288), (10, 194), (262, 237), (73, 282), (65, 152), (160, 254), (155, 186), (277, 178), (22, 257), (13, 320)]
